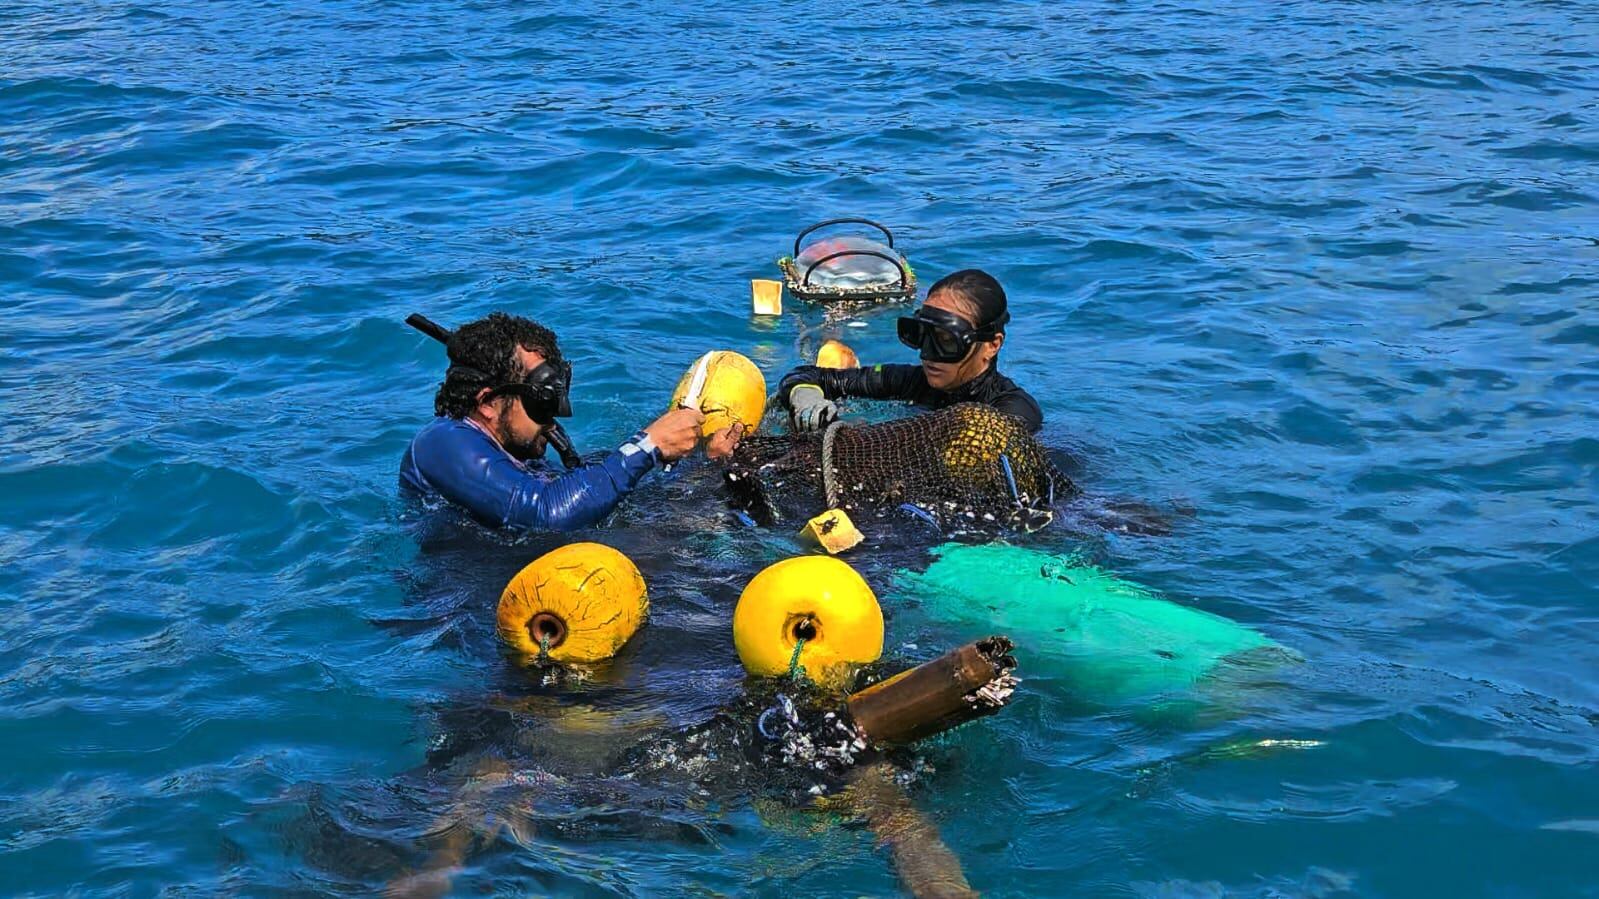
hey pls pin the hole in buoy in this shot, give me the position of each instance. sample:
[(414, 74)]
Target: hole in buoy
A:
[(545, 626), (804, 629)]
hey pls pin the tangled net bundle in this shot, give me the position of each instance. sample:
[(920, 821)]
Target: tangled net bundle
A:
[(967, 466)]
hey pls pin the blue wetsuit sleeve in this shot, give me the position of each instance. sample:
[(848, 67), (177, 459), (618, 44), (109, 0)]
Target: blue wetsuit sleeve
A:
[(464, 466), (580, 498)]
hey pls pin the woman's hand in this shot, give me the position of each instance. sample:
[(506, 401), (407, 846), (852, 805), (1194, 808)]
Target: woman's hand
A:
[(811, 409)]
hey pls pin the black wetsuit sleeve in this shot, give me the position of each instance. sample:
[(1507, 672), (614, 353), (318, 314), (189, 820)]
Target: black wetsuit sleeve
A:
[(880, 382), (1021, 404)]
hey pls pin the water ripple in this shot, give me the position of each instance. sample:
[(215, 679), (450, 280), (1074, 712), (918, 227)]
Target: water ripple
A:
[(1319, 273)]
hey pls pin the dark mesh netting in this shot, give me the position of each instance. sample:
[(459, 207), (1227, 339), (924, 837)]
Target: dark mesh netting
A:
[(967, 465)]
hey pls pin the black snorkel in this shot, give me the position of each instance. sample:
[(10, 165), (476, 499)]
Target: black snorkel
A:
[(554, 434)]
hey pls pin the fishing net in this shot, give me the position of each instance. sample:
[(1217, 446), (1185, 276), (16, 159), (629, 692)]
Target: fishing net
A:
[(1111, 640), (967, 466)]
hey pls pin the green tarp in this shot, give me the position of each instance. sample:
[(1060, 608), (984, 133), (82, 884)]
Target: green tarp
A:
[(1109, 639)]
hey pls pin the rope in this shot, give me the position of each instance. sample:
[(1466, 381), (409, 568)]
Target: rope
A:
[(783, 708), (829, 485), (918, 512), (1010, 479), (760, 723), (544, 646), (795, 672)]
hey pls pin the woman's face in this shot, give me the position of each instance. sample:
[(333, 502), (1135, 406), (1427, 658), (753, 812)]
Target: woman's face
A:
[(949, 375)]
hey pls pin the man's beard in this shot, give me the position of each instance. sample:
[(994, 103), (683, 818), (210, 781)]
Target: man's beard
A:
[(525, 450)]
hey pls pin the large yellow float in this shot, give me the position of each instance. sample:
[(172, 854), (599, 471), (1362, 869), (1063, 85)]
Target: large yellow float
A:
[(818, 599), (727, 387), (579, 603)]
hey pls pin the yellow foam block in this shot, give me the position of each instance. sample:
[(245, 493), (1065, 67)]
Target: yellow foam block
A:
[(767, 296), (833, 530)]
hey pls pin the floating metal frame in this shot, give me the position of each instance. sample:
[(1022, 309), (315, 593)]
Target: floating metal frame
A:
[(799, 283)]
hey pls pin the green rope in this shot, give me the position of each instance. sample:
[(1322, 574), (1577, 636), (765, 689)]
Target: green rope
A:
[(795, 672), (544, 646)]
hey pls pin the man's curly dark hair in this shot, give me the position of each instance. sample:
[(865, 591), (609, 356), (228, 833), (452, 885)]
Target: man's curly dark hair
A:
[(483, 354)]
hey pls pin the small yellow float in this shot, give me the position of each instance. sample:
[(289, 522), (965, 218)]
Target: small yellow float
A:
[(581, 602), (836, 354), (727, 387), (818, 599)]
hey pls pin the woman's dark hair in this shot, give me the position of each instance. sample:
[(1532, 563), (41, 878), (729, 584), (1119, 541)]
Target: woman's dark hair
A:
[(483, 354), (978, 288)]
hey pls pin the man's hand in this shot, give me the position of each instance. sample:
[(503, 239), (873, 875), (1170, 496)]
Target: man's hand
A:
[(723, 442), (676, 433), (812, 410)]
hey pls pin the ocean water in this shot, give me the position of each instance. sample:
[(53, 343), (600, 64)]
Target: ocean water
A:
[(1324, 276)]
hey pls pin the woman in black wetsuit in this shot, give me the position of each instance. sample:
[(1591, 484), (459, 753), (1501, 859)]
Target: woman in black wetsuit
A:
[(959, 330)]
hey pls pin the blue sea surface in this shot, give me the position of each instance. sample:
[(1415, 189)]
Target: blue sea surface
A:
[(1325, 274)]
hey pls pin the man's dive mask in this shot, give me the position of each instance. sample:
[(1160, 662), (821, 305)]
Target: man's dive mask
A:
[(543, 392)]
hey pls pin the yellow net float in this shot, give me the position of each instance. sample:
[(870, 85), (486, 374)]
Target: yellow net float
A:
[(836, 354), (727, 387), (583, 600), (815, 598), (981, 436)]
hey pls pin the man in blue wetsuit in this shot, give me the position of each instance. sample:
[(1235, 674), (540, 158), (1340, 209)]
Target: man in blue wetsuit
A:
[(496, 409)]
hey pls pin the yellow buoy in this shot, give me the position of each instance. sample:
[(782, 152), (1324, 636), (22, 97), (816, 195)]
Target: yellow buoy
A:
[(836, 354), (585, 599), (727, 387), (819, 599)]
